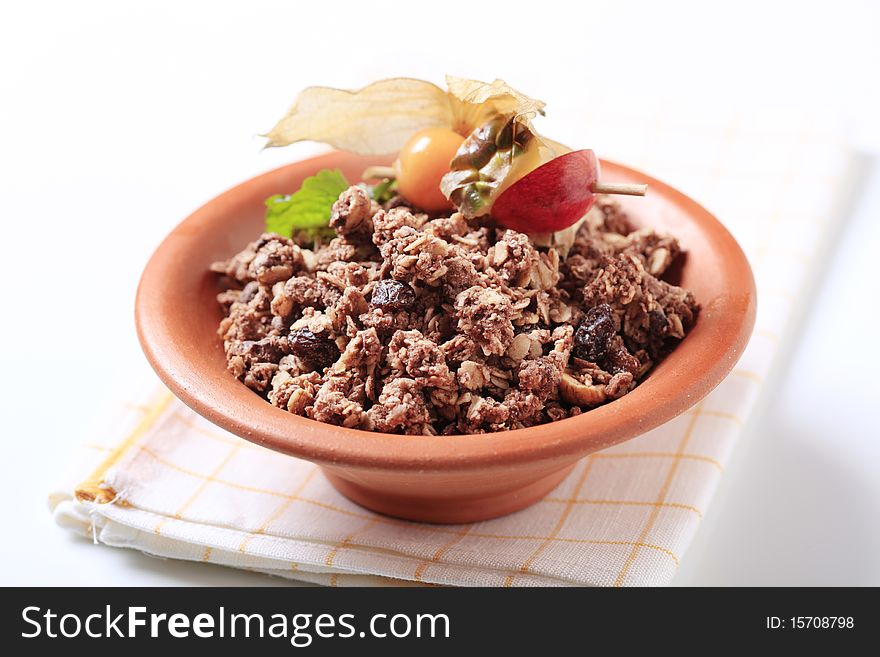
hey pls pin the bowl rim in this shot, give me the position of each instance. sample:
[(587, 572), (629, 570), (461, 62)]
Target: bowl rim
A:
[(272, 427)]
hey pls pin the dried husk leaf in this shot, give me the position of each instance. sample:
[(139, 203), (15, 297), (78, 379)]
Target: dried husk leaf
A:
[(375, 120), (480, 102), (494, 156)]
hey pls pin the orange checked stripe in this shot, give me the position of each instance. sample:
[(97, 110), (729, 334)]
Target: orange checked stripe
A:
[(655, 511), (94, 489)]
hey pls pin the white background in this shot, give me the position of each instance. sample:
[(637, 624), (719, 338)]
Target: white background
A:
[(118, 119)]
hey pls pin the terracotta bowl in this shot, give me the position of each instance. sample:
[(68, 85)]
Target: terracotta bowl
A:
[(435, 479)]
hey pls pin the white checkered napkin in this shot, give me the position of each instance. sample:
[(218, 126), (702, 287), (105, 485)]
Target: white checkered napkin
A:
[(186, 489)]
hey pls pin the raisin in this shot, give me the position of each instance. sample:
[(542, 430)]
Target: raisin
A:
[(317, 351), (592, 336), (393, 295)]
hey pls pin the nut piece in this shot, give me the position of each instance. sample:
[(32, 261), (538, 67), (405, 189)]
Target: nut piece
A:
[(659, 261), (578, 394)]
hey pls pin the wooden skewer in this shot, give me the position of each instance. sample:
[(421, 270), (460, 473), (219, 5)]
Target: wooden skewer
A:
[(627, 189)]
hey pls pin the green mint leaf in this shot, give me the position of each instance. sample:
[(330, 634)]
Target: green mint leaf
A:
[(308, 209)]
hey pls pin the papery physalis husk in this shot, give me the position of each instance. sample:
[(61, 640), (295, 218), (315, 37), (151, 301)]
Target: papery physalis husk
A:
[(375, 120), (477, 103), (381, 117)]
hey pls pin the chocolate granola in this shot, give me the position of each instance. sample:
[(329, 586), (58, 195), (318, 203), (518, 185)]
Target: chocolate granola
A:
[(407, 324)]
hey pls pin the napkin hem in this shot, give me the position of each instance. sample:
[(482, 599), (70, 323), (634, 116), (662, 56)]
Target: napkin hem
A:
[(105, 523)]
